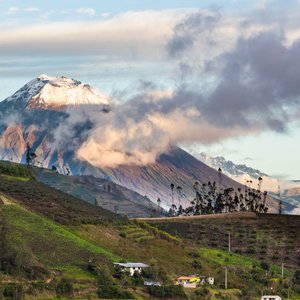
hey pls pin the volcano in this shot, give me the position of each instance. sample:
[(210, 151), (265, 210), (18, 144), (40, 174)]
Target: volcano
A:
[(34, 115)]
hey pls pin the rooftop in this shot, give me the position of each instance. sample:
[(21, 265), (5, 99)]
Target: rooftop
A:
[(132, 265)]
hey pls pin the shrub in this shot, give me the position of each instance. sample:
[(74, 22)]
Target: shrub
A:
[(196, 264), (113, 292), (13, 292), (122, 235), (296, 277), (251, 250), (64, 287), (194, 254), (265, 266), (167, 291), (202, 292), (238, 251)]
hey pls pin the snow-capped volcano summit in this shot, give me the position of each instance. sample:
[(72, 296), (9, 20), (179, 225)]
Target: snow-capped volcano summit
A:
[(45, 92)]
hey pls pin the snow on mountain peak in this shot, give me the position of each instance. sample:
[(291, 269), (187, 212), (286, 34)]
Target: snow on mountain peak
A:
[(47, 92), (229, 168)]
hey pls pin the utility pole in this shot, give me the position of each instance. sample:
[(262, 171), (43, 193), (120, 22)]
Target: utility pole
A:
[(225, 278), (229, 241), (282, 271)]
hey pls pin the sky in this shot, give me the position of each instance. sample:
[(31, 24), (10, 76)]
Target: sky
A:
[(227, 70)]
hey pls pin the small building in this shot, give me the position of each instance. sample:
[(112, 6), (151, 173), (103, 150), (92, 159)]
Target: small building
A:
[(270, 297), (193, 281), (210, 280), (152, 283), (132, 267), (188, 281)]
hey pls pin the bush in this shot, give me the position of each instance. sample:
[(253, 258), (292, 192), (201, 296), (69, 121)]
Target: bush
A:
[(64, 287), (13, 292), (265, 266), (194, 254), (296, 277), (122, 235), (201, 292), (251, 250), (238, 251), (196, 264), (113, 292), (167, 291)]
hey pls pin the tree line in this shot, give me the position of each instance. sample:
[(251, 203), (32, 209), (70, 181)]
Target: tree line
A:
[(211, 198)]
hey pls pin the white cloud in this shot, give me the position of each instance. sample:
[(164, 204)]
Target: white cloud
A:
[(130, 35), (13, 9), (105, 14), (46, 15), (86, 11), (31, 9)]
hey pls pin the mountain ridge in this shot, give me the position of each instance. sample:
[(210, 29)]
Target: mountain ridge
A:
[(45, 92)]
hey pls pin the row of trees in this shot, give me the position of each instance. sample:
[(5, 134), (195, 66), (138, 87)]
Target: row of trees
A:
[(211, 198)]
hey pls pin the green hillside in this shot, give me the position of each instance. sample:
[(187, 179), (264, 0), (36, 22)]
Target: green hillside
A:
[(269, 237), (55, 246), (105, 193)]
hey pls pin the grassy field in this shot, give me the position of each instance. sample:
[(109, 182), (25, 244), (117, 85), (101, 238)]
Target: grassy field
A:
[(54, 246), (267, 237), (46, 238)]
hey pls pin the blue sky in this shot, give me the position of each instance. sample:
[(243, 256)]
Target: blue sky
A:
[(115, 6), (176, 45)]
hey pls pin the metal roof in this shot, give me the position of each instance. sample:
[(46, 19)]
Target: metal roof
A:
[(132, 265)]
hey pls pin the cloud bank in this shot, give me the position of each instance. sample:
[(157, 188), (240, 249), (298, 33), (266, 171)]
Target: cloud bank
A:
[(256, 88), (234, 77)]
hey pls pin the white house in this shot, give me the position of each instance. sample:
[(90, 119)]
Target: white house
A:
[(210, 280), (188, 281), (270, 297), (152, 283), (132, 267), (193, 281)]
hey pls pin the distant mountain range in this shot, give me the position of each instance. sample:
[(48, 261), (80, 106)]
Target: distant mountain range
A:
[(229, 168), (35, 115), (290, 190)]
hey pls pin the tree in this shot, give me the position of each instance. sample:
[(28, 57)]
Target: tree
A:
[(220, 178), (159, 203), (208, 201), (172, 186), (30, 155), (179, 191)]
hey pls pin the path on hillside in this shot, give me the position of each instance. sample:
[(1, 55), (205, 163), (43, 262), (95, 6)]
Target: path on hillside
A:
[(233, 215), (4, 200)]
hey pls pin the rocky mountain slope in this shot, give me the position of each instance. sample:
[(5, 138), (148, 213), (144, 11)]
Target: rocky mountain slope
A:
[(45, 92), (229, 168), (36, 115), (100, 192), (290, 194)]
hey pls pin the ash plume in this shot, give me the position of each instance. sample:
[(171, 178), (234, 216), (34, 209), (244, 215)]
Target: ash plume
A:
[(254, 86), (257, 88)]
